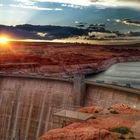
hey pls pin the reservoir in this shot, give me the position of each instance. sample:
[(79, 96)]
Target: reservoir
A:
[(122, 74)]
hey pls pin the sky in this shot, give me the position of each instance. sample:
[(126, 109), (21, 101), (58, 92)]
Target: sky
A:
[(70, 12)]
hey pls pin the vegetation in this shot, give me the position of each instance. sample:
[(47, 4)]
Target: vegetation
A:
[(125, 132), (121, 130)]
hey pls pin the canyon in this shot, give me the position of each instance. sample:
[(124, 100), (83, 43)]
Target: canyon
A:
[(60, 58), (28, 99), (117, 122)]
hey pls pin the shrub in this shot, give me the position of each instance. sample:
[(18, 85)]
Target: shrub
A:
[(114, 112), (121, 130)]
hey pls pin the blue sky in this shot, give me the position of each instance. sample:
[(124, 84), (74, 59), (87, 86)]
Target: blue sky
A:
[(67, 12)]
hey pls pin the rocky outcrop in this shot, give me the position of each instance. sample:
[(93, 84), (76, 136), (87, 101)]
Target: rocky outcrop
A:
[(82, 133), (91, 109), (96, 129), (123, 109), (59, 58)]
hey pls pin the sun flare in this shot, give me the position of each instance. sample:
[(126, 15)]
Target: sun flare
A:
[(3, 40)]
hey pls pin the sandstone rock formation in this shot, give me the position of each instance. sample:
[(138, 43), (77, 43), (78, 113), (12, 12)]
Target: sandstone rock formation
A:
[(82, 133), (56, 58), (92, 109), (124, 109), (96, 129)]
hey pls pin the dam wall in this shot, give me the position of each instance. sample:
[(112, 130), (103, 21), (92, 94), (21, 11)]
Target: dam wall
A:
[(106, 96), (26, 104)]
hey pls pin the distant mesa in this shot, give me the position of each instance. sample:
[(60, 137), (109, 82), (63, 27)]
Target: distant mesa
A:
[(45, 32), (82, 31), (50, 32)]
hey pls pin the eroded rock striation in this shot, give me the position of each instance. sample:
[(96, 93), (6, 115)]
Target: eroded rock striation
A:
[(58, 58)]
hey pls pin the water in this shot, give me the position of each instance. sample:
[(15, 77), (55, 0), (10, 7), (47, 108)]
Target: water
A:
[(121, 74)]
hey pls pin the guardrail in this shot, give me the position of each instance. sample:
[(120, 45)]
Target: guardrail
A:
[(64, 77), (127, 87)]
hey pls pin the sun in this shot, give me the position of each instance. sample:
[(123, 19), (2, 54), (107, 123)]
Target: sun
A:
[(3, 40)]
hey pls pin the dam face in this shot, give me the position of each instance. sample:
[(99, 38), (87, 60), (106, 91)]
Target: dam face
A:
[(105, 96), (25, 106), (121, 84)]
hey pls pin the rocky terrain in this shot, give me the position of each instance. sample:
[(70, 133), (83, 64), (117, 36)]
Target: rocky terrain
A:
[(59, 58), (115, 123)]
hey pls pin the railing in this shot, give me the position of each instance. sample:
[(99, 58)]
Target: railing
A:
[(37, 75)]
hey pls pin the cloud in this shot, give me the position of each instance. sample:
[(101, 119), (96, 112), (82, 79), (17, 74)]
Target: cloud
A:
[(26, 2), (41, 34), (31, 4), (76, 22), (130, 0), (33, 7), (134, 4), (72, 2), (130, 22), (1, 5), (118, 20), (71, 6)]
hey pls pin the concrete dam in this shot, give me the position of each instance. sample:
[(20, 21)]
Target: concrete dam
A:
[(27, 103)]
